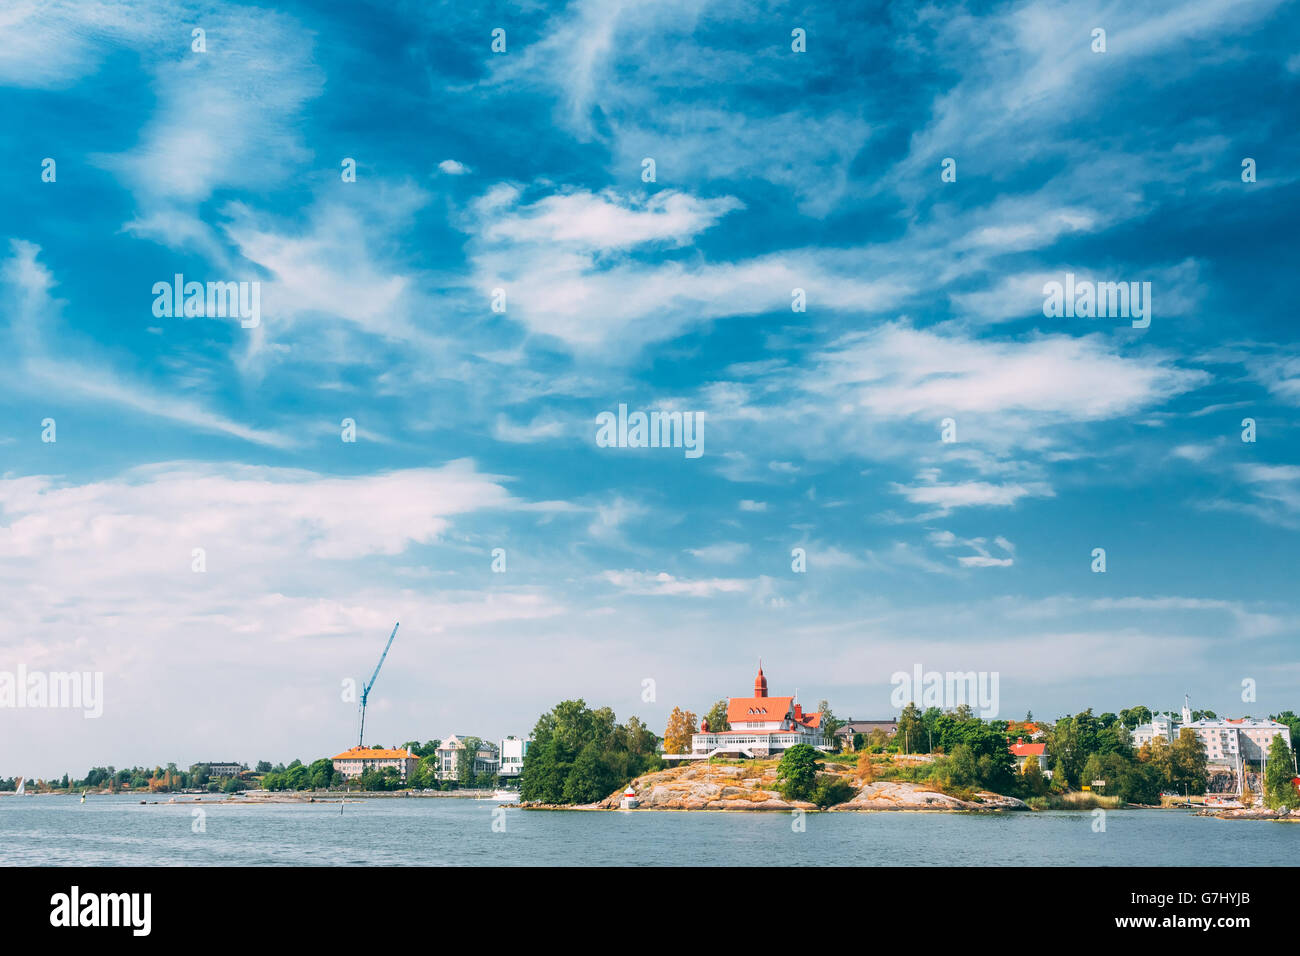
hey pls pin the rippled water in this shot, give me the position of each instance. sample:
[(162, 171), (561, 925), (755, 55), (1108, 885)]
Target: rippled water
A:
[(117, 830)]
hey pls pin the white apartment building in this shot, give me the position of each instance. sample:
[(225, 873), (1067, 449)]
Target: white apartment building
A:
[(452, 750), (511, 751), (1226, 741)]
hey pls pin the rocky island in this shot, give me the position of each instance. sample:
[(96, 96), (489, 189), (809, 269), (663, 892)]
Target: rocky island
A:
[(752, 785)]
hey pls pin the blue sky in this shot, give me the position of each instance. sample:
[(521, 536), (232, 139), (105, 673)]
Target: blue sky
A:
[(522, 170)]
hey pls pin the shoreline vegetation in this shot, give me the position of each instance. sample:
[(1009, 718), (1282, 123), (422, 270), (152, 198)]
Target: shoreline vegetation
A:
[(937, 761)]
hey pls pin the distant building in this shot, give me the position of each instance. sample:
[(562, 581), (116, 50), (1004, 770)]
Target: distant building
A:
[(357, 760), (452, 750), (511, 752), (1025, 752), (851, 728), (1024, 728), (1161, 725), (760, 727), (224, 768), (1225, 740)]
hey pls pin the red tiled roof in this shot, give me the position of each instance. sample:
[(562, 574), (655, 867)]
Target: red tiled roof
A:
[(372, 753), (1028, 750), (764, 708)]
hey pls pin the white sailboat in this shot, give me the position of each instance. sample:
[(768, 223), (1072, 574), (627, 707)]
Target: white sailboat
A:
[(22, 787)]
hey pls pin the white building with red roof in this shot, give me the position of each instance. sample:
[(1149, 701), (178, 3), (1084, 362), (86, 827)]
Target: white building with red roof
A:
[(760, 727), (1025, 752)]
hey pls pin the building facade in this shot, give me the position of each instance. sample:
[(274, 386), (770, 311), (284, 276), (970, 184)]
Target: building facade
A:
[(453, 750), (1225, 740), (225, 768), (847, 733), (356, 760), (511, 752), (1023, 752), (760, 727)]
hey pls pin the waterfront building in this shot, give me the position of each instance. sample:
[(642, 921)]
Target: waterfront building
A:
[(761, 726), (511, 751), (1025, 752), (356, 760), (1226, 741), (1161, 725), (452, 750), (224, 768)]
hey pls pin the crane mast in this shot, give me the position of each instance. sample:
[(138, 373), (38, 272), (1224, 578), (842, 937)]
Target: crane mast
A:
[(365, 691)]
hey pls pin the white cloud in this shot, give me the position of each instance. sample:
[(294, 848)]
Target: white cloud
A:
[(966, 494), (721, 553), (453, 167), (662, 584), (227, 117), (608, 220), (895, 371)]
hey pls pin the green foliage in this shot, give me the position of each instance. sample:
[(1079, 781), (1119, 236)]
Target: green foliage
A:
[(591, 777), (832, 789), (1032, 781), (579, 755), (1279, 791), (717, 717), (1187, 767), (909, 737), (830, 723), (796, 774), (465, 761)]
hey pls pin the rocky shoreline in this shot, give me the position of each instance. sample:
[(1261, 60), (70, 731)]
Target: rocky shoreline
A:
[(1253, 813), (730, 787)]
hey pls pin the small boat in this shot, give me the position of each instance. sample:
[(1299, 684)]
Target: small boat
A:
[(22, 788), (506, 795)]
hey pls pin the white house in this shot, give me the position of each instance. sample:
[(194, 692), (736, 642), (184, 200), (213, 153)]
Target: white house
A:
[(512, 751), (760, 727), (452, 750)]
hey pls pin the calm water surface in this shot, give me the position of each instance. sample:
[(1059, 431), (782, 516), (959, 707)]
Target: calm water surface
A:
[(117, 830)]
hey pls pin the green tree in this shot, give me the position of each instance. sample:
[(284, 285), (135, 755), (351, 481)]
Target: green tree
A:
[(1131, 717), (717, 717), (1188, 764), (1031, 778), (961, 768), (465, 772), (830, 723), (796, 774), (1279, 791), (909, 735), (590, 778), (1137, 782), (546, 767)]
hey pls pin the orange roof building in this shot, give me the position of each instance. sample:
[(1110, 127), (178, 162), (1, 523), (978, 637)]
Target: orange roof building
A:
[(356, 760), (760, 726)]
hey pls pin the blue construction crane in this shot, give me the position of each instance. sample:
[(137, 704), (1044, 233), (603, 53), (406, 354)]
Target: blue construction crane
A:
[(365, 691)]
